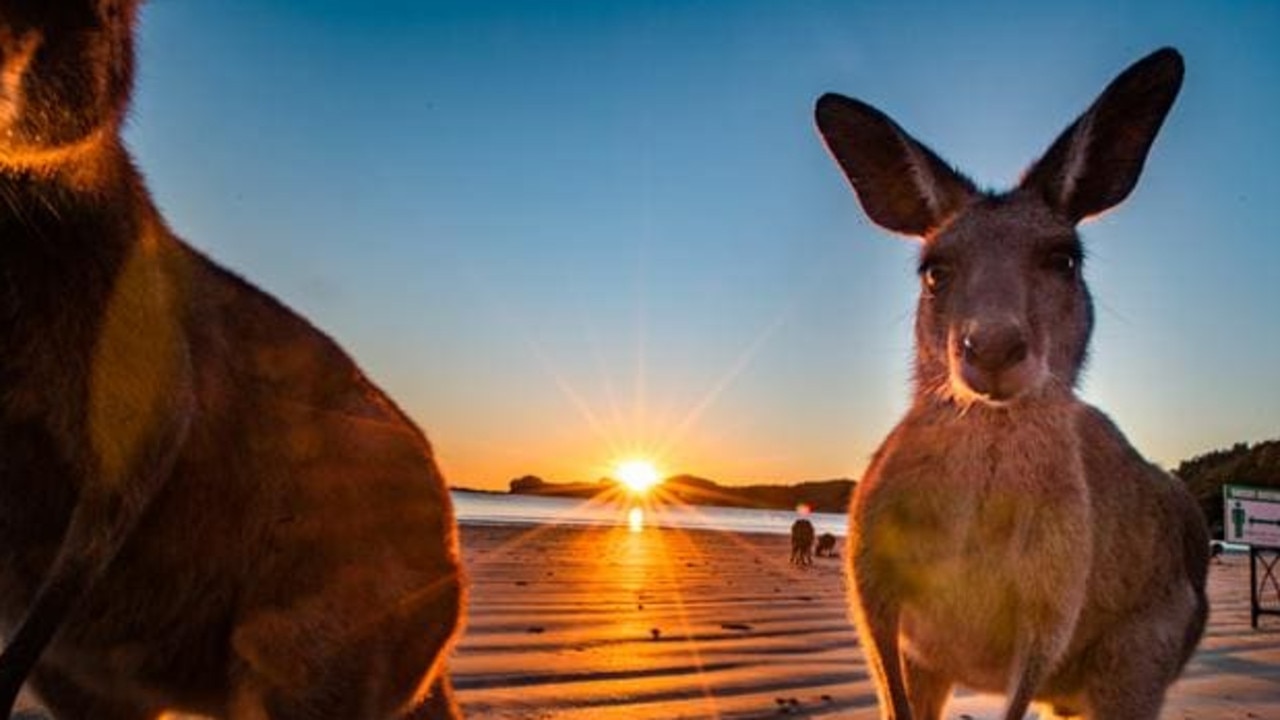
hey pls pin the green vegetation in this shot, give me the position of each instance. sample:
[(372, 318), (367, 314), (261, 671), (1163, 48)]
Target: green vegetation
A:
[(1242, 464)]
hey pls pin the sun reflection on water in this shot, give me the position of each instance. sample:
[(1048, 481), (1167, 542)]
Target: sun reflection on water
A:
[(635, 519)]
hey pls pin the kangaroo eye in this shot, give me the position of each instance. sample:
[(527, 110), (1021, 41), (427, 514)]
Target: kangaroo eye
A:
[(935, 276), (1063, 262)]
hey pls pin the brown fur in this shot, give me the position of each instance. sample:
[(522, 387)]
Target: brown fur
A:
[(1006, 536), (204, 505)]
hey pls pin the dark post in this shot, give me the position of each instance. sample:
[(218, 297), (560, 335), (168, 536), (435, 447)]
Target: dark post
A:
[(1269, 557), (1253, 586)]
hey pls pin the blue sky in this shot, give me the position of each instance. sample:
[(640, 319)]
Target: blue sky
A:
[(559, 233)]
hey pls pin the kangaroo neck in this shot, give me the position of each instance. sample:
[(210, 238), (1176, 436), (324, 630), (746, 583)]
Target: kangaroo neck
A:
[(979, 438)]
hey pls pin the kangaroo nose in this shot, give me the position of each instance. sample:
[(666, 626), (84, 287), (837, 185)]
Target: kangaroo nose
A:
[(994, 349)]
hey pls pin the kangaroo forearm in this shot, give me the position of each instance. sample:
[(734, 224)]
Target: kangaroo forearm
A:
[(67, 583)]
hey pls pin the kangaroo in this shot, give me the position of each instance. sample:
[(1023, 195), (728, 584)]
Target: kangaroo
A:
[(205, 506), (802, 542), (826, 545), (1006, 536)]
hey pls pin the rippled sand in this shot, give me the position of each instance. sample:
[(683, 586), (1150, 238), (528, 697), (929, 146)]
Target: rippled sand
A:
[(581, 623)]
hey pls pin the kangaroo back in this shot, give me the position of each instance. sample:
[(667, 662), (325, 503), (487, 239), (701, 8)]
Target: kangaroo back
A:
[(1006, 536), (205, 506)]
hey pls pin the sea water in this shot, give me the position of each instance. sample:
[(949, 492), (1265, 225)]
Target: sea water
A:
[(503, 509)]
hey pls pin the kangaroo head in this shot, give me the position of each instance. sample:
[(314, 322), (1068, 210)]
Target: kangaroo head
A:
[(66, 70), (1004, 313)]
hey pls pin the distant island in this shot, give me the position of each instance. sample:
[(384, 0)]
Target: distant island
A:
[(819, 495)]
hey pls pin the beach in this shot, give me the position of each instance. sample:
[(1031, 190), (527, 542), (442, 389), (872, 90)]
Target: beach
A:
[(598, 622)]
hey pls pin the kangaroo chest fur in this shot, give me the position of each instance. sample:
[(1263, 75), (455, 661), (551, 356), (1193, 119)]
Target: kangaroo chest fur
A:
[(57, 267), (978, 523)]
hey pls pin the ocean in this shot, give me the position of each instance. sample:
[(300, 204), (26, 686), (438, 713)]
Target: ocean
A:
[(484, 509)]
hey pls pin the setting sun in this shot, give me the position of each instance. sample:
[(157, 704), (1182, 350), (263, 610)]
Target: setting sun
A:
[(638, 475)]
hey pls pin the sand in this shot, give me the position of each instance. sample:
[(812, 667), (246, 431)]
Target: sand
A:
[(603, 624), (563, 623)]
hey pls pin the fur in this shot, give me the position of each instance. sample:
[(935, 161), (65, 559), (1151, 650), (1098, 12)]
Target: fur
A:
[(1006, 536), (205, 506)]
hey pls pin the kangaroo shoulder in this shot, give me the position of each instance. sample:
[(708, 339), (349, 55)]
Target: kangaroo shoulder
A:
[(1108, 454)]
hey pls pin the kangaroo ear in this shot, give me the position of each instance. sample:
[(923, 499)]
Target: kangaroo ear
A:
[(1096, 162), (902, 185)]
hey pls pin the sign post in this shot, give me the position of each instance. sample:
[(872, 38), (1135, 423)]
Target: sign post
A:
[(1252, 517)]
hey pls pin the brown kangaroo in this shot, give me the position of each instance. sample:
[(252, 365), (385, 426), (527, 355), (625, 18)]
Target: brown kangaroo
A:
[(205, 507), (826, 545), (1006, 536), (802, 542)]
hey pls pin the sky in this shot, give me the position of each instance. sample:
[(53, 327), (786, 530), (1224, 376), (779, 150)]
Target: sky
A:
[(564, 233)]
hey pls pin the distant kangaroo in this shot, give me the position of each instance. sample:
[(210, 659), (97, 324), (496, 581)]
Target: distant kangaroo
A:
[(1006, 536), (826, 545), (802, 542), (205, 507)]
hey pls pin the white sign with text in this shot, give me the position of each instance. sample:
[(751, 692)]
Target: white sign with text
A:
[(1251, 515)]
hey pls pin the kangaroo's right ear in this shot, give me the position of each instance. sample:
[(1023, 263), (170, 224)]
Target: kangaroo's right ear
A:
[(1096, 162), (902, 185)]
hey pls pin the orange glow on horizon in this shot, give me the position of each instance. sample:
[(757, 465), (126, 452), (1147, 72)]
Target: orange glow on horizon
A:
[(612, 419)]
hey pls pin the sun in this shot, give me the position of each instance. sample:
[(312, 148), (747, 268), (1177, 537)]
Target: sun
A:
[(638, 475)]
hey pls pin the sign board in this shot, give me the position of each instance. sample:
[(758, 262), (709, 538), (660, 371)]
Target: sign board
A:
[(1251, 515)]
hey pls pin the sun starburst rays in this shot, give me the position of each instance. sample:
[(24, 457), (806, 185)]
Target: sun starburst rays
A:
[(635, 446)]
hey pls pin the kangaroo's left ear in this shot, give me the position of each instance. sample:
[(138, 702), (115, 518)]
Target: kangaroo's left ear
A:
[(902, 185), (1096, 162)]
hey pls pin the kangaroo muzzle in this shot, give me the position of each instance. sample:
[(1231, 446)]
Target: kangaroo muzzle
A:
[(993, 361)]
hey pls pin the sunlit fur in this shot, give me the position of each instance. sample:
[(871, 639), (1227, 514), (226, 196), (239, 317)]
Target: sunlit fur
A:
[(204, 505), (1006, 536)]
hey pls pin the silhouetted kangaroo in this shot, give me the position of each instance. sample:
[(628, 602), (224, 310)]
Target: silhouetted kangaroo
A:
[(802, 542), (1006, 536), (826, 545), (204, 505)]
